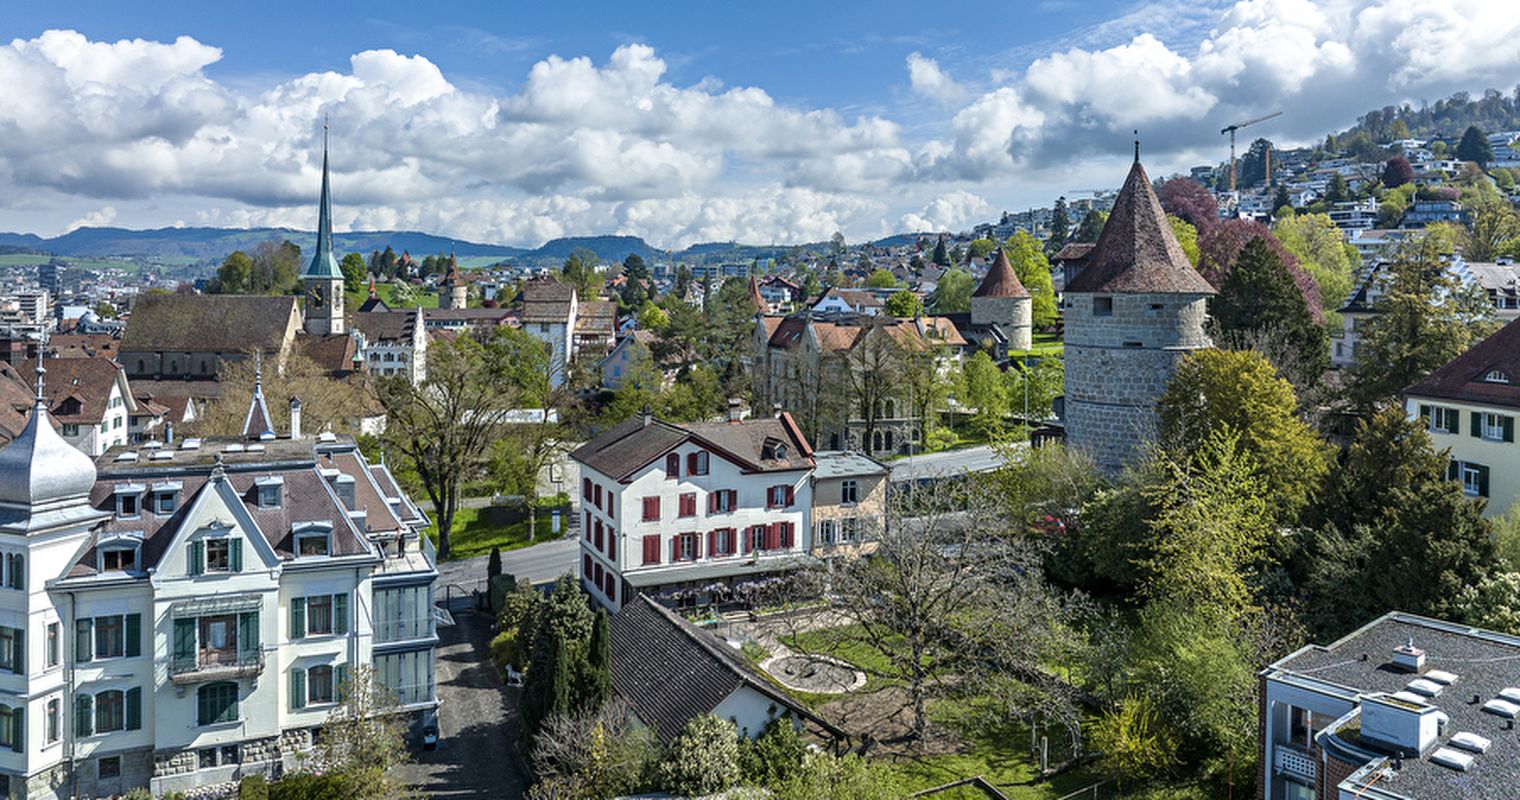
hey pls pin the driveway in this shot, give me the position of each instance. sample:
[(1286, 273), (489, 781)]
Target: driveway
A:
[(477, 721), (540, 563)]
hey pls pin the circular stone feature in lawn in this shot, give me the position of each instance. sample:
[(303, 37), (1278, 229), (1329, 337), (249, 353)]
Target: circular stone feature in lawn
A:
[(813, 673)]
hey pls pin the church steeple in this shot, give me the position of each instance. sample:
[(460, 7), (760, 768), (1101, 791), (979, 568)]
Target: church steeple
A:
[(323, 265)]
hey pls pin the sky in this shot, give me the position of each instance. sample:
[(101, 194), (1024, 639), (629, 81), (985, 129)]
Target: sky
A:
[(681, 122)]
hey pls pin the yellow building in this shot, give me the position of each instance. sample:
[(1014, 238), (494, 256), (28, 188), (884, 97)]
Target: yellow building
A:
[(1470, 406)]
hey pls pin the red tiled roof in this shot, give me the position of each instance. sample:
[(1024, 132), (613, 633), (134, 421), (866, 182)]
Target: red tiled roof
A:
[(1462, 378), (1137, 253), (1001, 281)]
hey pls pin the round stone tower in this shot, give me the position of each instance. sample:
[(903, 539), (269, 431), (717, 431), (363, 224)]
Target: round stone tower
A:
[(453, 290), (1001, 300), (1133, 312)]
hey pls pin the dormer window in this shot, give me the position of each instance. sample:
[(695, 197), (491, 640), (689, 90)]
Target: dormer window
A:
[(344, 486), (118, 556), (313, 539), (129, 499), (775, 449), (1496, 376), (270, 491), (165, 497)]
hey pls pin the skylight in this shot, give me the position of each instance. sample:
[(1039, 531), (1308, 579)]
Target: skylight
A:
[(1453, 759), (1471, 742)]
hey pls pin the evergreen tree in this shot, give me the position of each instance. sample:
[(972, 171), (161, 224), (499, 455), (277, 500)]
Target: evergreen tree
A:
[(1281, 200), (493, 564), (561, 696), (597, 688), (941, 255), (1338, 191), (1259, 296), (1474, 147), (683, 282), (1060, 228)]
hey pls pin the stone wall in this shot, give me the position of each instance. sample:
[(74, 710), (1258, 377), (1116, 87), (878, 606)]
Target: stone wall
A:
[(1119, 364), (1015, 315)]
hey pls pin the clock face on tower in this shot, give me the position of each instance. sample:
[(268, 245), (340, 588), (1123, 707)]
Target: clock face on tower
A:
[(314, 296)]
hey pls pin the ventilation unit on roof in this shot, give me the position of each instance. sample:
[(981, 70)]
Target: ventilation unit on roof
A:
[(1470, 741), (1409, 697), (152, 444), (233, 448), (1408, 656), (327, 436), (161, 455), (254, 448), (1503, 708), (1510, 694), (1427, 688), (1441, 676), (193, 443)]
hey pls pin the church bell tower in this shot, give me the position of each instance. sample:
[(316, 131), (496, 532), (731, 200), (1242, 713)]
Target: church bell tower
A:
[(323, 279)]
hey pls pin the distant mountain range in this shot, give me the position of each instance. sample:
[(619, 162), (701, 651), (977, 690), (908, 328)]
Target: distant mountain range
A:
[(210, 245)]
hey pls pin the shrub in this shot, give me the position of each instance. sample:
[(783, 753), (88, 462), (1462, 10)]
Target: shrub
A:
[(703, 759), (308, 786), (253, 787)]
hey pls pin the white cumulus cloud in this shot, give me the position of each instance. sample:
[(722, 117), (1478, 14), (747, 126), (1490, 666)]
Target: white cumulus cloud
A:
[(950, 212), (927, 79)]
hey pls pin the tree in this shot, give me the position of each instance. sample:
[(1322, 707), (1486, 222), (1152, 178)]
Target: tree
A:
[(1423, 320), (702, 760), (1033, 269), (773, 756), (493, 564), (1135, 743), (980, 248), (1259, 294), (1187, 238), (275, 268), (1091, 227), (596, 687), (1321, 250), (982, 391), (355, 272), (560, 641), (635, 291), (445, 424), (881, 278), (327, 402), (1338, 191), (1221, 247), (1494, 227), (1393, 532), (1190, 200), (954, 589), (824, 777), (683, 282), (870, 377), (105, 310), (1474, 147), (581, 270), (593, 754), (1217, 390), (952, 294), (1397, 172), (1060, 228), (1254, 165), (1039, 384), (1281, 200), (941, 256), (836, 244), (904, 303), (363, 738), (233, 276)]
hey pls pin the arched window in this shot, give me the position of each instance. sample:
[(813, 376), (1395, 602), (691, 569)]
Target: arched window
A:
[(891, 409), (887, 438), (110, 711)]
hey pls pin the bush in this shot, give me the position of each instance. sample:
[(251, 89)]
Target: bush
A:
[(138, 794), (253, 787), (703, 759), (308, 786), (774, 756)]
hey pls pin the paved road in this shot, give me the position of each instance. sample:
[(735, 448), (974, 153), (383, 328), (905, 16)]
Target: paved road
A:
[(947, 464), (477, 721), (540, 563)]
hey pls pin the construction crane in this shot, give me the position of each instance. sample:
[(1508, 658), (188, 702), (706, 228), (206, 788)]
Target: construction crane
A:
[(1230, 129)]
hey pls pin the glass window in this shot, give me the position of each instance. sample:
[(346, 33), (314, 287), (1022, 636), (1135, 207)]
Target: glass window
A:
[(1493, 427), (849, 529), (319, 684), (8, 649), (110, 711), (1443, 420), (1103, 307), (849, 492), (826, 532), (126, 505), (53, 637), (205, 758), (110, 637), (1472, 480), (312, 544), (165, 502), (119, 559), (230, 754), (687, 547), (269, 496), (109, 767), (218, 555), (50, 726), (319, 616), (217, 704)]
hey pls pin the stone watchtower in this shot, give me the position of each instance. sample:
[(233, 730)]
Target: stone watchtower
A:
[(323, 278), (453, 289), (1001, 300), (1133, 312)]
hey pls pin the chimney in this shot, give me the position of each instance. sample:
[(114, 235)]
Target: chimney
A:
[(776, 410), (735, 410), (646, 416), (1408, 656), (295, 417), (168, 434)]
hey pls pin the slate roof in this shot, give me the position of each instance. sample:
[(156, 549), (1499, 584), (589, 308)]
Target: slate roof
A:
[(1137, 253), (1462, 378), (213, 323), (386, 326), (82, 345), (1074, 251), (638, 441), (88, 381), (546, 299), (1484, 663), (670, 671), (334, 353), (1001, 281)]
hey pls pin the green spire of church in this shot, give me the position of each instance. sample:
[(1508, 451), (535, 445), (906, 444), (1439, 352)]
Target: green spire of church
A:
[(323, 265)]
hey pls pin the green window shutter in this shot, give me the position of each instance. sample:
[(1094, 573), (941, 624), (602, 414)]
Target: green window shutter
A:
[(84, 715), (248, 633), (1477, 424), (1509, 428), (1453, 469), (340, 682), (1483, 481), (298, 688), (184, 641), (18, 569), (236, 547), (18, 657), (18, 731), (340, 613), (84, 641), (203, 705), (297, 617), (134, 635), (197, 557), (134, 708)]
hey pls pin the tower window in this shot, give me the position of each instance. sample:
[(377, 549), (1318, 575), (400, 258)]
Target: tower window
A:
[(1103, 307)]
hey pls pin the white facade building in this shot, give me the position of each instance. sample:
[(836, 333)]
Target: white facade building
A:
[(176, 618), (687, 513), (549, 314)]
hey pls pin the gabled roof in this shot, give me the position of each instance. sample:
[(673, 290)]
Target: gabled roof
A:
[(1001, 281), (386, 326), (89, 382), (670, 671), (639, 441), (1073, 251), (1462, 378), (546, 299), (1137, 253), (213, 323)]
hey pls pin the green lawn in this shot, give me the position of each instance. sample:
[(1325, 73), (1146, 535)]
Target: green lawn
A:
[(860, 654), (1002, 757), (1044, 344), (426, 298), (474, 535)]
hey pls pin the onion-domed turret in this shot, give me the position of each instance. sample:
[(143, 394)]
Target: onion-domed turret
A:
[(38, 468)]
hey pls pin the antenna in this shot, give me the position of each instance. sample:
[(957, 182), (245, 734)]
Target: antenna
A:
[(1137, 146)]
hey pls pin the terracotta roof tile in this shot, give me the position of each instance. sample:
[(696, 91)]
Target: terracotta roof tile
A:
[(1137, 253), (1462, 378), (1001, 281)]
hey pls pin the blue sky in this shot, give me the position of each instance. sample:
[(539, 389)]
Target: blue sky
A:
[(679, 122)]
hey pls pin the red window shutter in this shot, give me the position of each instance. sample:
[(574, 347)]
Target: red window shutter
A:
[(712, 544), (586, 565), (791, 496), (772, 536), (786, 535), (712, 502), (596, 492), (689, 504), (611, 545), (651, 509), (598, 579), (691, 463), (610, 511), (744, 545), (587, 527), (672, 466), (598, 539), (696, 545), (585, 488), (611, 588), (733, 499), (651, 549)]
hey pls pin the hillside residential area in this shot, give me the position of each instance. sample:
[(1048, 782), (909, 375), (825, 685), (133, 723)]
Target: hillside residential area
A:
[(409, 407)]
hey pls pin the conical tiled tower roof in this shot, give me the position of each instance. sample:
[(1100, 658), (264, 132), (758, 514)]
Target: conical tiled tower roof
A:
[(1001, 281), (1137, 253)]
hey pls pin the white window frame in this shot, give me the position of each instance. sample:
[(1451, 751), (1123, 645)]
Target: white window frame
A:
[(826, 529), (224, 538), (849, 530), (1472, 479), (119, 546), (1493, 427), (1443, 419)]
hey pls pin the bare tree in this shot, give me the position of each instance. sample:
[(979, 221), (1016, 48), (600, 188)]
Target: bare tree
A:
[(591, 755), (954, 589), (364, 736), (328, 402)]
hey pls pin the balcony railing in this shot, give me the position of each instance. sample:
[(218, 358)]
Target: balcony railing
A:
[(1295, 762), (211, 665)]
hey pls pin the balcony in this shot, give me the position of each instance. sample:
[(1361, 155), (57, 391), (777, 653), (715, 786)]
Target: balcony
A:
[(215, 665), (1295, 762)]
